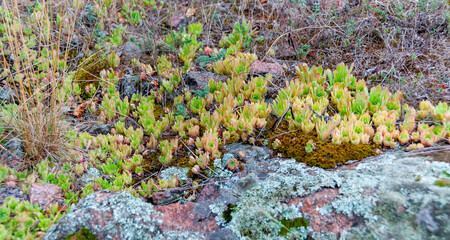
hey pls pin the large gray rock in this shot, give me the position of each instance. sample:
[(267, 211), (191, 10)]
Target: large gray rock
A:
[(112, 215), (387, 195)]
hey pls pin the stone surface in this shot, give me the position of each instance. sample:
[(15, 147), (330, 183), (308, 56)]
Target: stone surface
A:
[(132, 50), (262, 68), (100, 129), (370, 199), (12, 191), (181, 172), (15, 151), (129, 85), (167, 196), (118, 215), (198, 80), (45, 194), (177, 20), (182, 217), (88, 177), (7, 95)]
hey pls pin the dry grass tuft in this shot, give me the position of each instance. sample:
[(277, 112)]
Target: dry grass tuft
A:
[(34, 64)]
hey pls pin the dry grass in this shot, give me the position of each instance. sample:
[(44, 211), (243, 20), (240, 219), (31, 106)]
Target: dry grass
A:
[(399, 44), (36, 121)]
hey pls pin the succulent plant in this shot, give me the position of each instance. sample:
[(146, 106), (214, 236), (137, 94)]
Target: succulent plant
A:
[(166, 152), (276, 143), (238, 64), (342, 75), (403, 138), (310, 146), (415, 136), (425, 107), (413, 147), (233, 164), (441, 112), (197, 104), (242, 32), (427, 138), (195, 169)]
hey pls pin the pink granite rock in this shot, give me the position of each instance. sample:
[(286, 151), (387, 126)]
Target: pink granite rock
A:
[(45, 194), (262, 68)]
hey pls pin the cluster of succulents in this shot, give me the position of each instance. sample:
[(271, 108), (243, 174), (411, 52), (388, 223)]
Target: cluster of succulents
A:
[(363, 116), (23, 220), (331, 105)]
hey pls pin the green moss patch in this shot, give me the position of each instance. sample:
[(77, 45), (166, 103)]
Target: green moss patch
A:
[(325, 155), (292, 223), (231, 208), (83, 234), (442, 183)]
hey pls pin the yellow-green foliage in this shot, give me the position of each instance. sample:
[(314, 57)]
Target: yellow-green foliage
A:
[(23, 220), (238, 64)]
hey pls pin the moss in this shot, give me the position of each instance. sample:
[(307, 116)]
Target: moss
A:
[(325, 155), (231, 208), (442, 183), (83, 234), (89, 70), (158, 111), (292, 223)]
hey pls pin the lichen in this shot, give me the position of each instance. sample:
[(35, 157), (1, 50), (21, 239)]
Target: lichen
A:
[(132, 217), (168, 173), (375, 192)]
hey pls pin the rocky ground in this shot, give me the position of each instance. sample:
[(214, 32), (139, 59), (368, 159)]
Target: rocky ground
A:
[(394, 195), (390, 196)]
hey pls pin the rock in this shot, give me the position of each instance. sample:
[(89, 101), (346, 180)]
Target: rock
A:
[(425, 217), (129, 85), (177, 20), (109, 215), (181, 172), (88, 177), (45, 194), (209, 192), (100, 129), (167, 196), (256, 158), (15, 151), (222, 234), (118, 215), (178, 216), (12, 191), (311, 204), (131, 50), (7, 95), (373, 198), (198, 80), (262, 68)]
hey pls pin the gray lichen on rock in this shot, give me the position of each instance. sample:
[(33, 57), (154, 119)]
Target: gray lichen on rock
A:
[(181, 172), (376, 190), (118, 216)]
